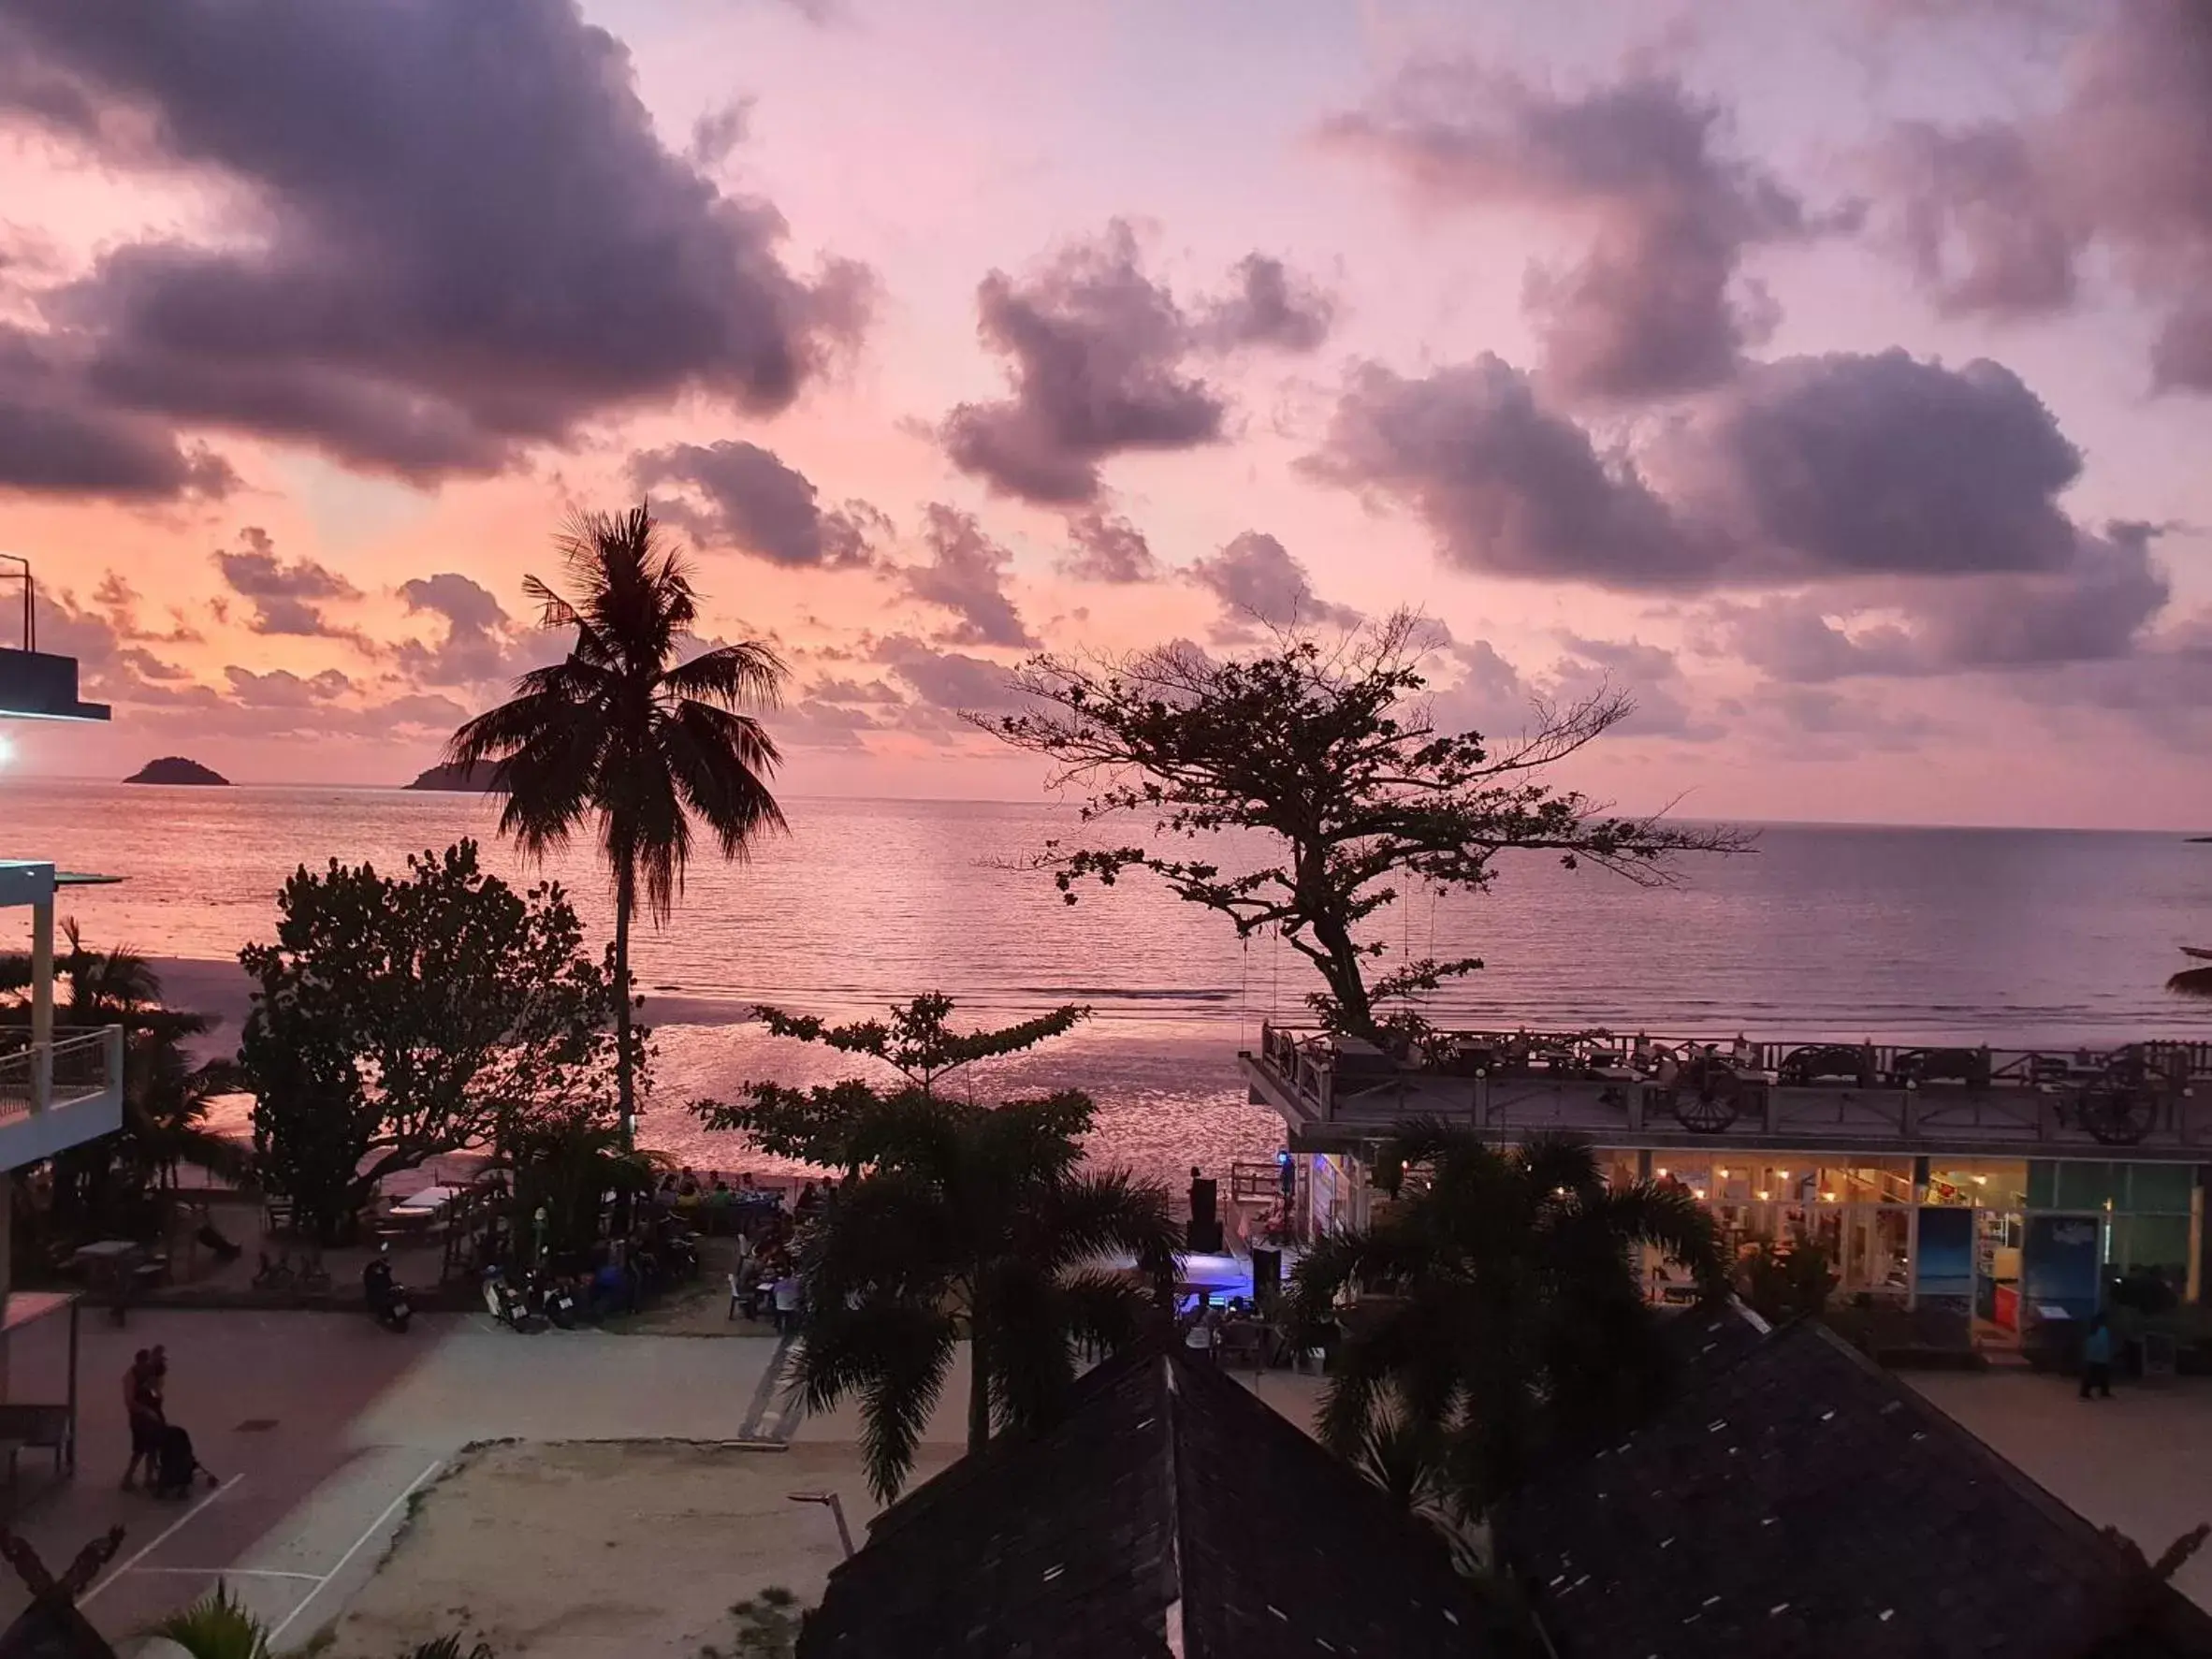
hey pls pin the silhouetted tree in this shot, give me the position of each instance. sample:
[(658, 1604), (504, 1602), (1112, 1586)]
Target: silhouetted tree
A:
[(972, 1222), (1332, 753), (819, 1125), (1500, 1308), (623, 732)]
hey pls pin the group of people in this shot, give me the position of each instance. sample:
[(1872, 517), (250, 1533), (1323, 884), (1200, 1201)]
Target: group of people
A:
[(716, 1203)]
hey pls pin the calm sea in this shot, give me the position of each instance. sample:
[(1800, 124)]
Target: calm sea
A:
[(2009, 937)]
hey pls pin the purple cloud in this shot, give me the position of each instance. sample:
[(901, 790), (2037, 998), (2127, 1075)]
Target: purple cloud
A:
[(1259, 581), (756, 504), (966, 574), (1101, 358), (287, 593), (468, 239), (1652, 307), (477, 630), (1108, 548)]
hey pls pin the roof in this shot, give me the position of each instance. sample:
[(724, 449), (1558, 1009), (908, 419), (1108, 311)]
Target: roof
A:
[(52, 1629), (1169, 1500), (38, 685), (1797, 1502)]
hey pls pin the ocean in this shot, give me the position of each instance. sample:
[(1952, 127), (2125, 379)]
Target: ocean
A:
[(2016, 938)]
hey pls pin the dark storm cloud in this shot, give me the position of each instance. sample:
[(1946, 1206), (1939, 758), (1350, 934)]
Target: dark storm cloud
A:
[(477, 635), (1998, 219), (966, 575), (1101, 358), (754, 503), (1504, 485), (1653, 308), (285, 593), (1257, 580), (1803, 469), (1108, 548), (467, 236), (57, 437)]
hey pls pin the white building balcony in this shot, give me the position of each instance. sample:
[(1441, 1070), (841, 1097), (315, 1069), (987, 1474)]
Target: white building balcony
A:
[(59, 1087)]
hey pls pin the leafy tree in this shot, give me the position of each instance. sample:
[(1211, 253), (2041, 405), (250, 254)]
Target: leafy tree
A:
[(917, 1044), (566, 1164), (1500, 1308), (971, 1222), (622, 734), (395, 1019), (103, 1184), (1331, 754)]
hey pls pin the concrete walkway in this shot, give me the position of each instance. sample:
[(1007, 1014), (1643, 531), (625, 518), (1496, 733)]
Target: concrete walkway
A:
[(321, 1428), (2141, 1461)]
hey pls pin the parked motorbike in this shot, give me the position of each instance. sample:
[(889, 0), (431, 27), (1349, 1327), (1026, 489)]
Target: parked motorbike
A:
[(505, 1303), (385, 1295), (554, 1303)]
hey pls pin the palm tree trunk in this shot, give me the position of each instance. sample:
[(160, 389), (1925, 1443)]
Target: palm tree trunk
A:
[(625, 1081)]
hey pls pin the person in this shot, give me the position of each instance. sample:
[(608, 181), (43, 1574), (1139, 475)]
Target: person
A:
[(144, 1422), (787, 1301), (2096, 1358), (810, 1199)]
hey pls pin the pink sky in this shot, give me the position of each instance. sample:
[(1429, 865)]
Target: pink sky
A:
[(1835, 377)]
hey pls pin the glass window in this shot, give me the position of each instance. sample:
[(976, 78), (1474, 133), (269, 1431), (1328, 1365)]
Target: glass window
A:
[(2158, 1188), (2160, 1242), (1988, 1184)]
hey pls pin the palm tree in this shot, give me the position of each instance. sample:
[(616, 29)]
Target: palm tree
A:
[(1501, 1307), (973, 1222), (623, 732)]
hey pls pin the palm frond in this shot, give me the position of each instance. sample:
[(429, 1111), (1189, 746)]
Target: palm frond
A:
[(731, 676), (894, 1356)]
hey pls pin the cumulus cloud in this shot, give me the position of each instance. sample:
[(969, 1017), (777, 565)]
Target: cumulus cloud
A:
[(286, 594), (59, 437), (477, 630), (1108, 548), (1998, 219), (1655, 305), (966, 573), (467, 237), (1803, 469), (1257, 580), (745, 496), (1505, 485), (1269, 305), (1103, 361), (947, 682)]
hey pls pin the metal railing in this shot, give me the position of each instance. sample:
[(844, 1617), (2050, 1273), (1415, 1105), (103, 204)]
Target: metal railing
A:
[(2117, 1096), (79, 1064)]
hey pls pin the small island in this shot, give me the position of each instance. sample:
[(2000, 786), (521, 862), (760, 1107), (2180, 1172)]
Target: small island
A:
[(480, 778), (175, 768)]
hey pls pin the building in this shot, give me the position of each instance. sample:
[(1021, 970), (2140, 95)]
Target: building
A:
[(1170, 1513), (1797, 1502), (59, 1087), (1992, 1182)]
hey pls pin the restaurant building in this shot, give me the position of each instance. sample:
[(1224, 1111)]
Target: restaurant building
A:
[(1994, 1182)]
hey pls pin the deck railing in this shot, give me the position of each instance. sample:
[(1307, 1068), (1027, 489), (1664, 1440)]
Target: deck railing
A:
[(2116, 1095), (79, 1064)]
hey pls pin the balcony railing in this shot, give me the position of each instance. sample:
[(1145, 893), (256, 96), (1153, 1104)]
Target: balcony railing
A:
[(2153, 1095), (79, 1064)]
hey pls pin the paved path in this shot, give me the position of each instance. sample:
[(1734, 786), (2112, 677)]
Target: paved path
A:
[(2141, 1461), (322, 1426)]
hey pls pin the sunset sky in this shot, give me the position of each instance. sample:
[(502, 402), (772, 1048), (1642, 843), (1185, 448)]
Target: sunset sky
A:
[(1835, 376)]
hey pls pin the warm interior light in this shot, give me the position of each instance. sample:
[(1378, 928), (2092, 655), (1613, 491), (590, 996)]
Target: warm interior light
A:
[(1697, 1192), (1827, 1197), (1782, 1174), (1723, 1174), (1762, 1195), (7, 749), (1662, 1171), (1981, 1180)]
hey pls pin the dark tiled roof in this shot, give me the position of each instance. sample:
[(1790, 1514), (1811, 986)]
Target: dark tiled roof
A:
[(52, 1629), (1796, 1503), (1167, 1487)]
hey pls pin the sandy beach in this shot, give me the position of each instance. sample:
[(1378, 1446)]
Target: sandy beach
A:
[(576, 1550)]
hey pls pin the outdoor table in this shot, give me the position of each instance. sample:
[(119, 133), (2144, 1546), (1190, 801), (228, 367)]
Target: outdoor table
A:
[(430, 1200), (108, 1261)]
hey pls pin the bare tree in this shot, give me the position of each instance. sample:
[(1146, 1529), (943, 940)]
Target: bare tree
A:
[(1331, 750)]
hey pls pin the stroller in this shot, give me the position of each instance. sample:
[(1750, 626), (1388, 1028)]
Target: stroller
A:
[(175, 1463)]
